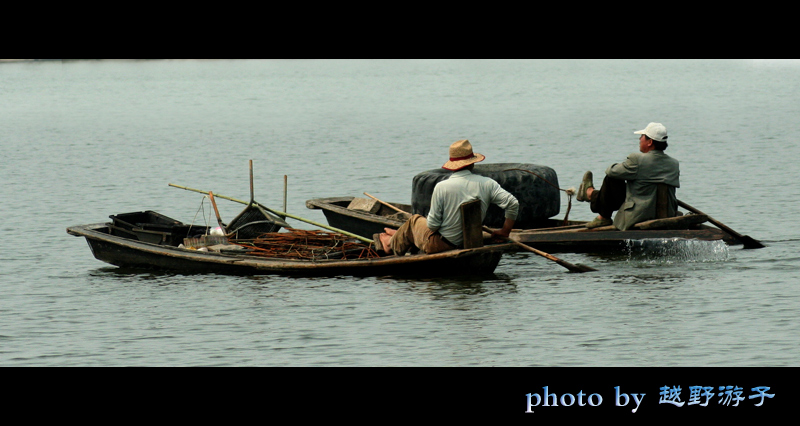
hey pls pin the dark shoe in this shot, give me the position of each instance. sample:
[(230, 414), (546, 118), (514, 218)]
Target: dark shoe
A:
[(598, 222), (586, 183)]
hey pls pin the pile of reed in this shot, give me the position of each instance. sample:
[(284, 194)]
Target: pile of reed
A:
[(304, 244)]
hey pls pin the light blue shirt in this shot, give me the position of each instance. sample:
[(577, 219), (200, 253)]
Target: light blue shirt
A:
[(462, 186)]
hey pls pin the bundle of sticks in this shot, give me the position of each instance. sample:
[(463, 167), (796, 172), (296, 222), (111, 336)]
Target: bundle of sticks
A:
[(303, 244)]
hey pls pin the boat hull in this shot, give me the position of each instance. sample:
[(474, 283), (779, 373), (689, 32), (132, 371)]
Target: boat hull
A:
[(128, 253), (610, 241)]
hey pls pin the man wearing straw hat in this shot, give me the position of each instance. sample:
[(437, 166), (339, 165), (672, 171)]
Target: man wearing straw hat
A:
[(441, 230), (630, 186)]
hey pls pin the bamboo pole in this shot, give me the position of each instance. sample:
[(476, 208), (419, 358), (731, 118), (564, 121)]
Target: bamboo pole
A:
[(279, 213), (251, 183)]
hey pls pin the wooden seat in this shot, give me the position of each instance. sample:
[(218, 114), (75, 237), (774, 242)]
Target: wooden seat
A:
[(662, 201), (471, 224)]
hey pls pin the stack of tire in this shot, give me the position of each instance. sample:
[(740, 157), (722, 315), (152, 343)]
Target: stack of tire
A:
[(538, 199)]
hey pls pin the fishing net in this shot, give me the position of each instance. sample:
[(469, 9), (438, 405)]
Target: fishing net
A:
[(303, 244)]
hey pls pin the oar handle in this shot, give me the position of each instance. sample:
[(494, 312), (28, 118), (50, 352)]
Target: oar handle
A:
[(710, 219), (216, 211), (525, 246)]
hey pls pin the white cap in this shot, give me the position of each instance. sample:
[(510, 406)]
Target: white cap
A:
[(654, 131)]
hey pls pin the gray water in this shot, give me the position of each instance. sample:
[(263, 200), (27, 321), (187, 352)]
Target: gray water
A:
[(82, 140)]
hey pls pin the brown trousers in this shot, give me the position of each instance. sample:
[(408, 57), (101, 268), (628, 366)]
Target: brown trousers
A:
[(609, 198), (415, 233)]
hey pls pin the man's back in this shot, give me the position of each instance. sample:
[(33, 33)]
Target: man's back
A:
[(463, 186), (643, 172)]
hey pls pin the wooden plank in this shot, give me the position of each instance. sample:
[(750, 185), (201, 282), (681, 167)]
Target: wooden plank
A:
[(364, 205), (678, 222), (471, 223), (662, 200), (553, 229)]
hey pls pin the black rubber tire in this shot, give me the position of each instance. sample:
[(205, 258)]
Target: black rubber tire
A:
[(538, 200)]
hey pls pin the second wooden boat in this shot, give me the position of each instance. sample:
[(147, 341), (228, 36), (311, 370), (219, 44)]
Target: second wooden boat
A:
[(551, 235)]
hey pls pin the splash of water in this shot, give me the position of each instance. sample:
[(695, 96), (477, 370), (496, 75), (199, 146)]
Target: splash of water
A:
[(676, 250)]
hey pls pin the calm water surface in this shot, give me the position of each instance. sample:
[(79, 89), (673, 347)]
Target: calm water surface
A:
[(84, 140)]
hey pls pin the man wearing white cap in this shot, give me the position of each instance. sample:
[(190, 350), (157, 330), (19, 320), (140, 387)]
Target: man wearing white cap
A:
[(441, 230), (630, 187)]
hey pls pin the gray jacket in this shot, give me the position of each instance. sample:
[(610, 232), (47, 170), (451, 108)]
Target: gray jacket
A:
[(642, 172)]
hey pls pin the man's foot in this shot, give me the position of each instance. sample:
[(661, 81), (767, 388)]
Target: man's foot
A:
[(586, 183), (598, 222), (386, 242)]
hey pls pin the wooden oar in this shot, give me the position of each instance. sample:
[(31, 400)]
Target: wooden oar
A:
[(748, 242), (564, 263), (279, 213), (389, 205), (216, 211), (571, 267)]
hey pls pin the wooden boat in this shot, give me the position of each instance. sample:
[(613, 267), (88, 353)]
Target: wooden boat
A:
[(164, 251), (578, 239), (357, 221), (552, 235)]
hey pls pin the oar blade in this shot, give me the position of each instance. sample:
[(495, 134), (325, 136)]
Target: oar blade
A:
[(579, 268), (564, 263), (584, 268), (750, 243)]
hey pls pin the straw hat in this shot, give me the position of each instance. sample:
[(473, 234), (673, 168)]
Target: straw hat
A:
[(461, 156)]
